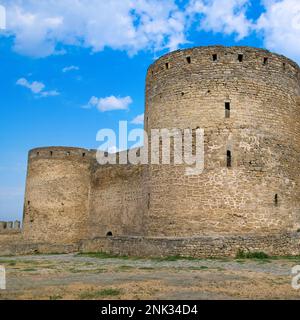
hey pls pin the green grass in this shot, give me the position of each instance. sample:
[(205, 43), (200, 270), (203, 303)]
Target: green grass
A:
[(89, 295), (9, 262), (259, 255), (103, 255), (125, 268), (251, 255), (146, 268), (292, 258), (174, 258), (29, 270)]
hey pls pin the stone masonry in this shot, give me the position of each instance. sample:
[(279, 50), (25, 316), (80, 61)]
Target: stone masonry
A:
[(247, 101)]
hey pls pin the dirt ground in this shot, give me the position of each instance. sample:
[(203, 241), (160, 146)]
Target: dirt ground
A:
[(97, 276)]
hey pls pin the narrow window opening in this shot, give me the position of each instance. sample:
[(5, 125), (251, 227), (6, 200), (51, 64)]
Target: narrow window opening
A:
[(194, 140), (51, 153), (167, 65), (109, 234), (148, 203), (138, 153), (284, 66), (240, 58), (105, 154), (227, 109), (276, 200), (188, 59), (229, 158), (160, 149), (28, 202), (265, 61), (215, 57), (182, 94), (83, 155), (37, 153)]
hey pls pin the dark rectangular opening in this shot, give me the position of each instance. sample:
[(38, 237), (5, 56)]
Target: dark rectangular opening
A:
[(148, 202), (240, 58), (215, 57), (229, 159), (188, 59), (276, 200), (167, 65), (265, 61), (227, 109)]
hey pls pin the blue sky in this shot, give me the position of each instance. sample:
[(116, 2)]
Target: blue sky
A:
[(67, 71)]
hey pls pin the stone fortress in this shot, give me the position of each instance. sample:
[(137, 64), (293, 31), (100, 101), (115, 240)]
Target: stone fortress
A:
[(247, 100)]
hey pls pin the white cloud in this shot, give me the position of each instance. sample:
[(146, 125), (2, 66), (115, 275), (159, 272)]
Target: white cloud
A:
[(280, 25), (109, 103), (51, 93), (2, 18), (70, 68), (36, 88), (224, 16), (138, 119), (42, 27)]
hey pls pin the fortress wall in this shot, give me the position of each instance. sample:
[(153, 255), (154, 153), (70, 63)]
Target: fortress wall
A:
[(74, 203), (57, 194), (117, 201), (262, 133), (198, 247)]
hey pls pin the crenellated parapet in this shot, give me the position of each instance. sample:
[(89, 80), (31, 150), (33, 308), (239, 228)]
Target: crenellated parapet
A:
[(10, 226)]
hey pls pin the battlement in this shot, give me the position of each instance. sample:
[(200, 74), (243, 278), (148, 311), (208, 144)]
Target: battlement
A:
[(10, 226), (245, 58), (60, 153)]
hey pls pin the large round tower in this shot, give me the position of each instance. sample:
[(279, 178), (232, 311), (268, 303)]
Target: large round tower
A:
[(57, 195), (247, 102)]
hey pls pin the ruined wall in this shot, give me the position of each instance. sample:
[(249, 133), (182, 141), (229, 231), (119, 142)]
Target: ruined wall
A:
[(199, 247), (57, 195), (260, 193)]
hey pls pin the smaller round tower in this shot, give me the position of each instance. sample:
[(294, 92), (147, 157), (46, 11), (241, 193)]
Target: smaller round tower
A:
[(57, 192)]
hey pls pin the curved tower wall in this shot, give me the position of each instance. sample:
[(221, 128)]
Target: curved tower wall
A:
[(260, 192), (57, 195)]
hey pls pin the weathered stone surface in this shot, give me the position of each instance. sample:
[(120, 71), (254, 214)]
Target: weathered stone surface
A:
[(254, 204)]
